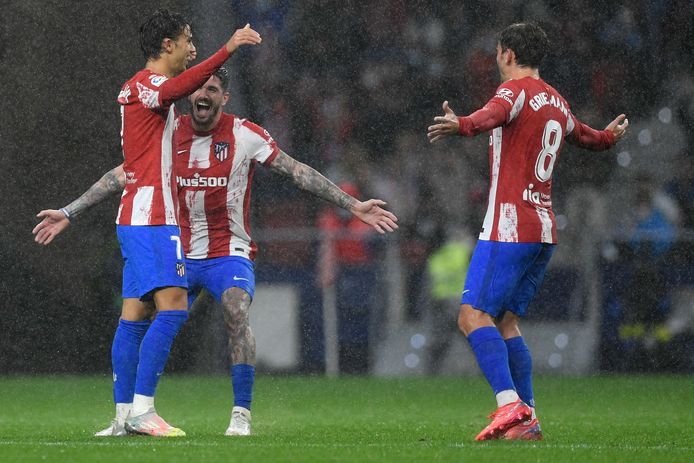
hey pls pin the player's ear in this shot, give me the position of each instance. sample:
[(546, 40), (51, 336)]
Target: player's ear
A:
[(511, 56), (167, 45), (225, 99)]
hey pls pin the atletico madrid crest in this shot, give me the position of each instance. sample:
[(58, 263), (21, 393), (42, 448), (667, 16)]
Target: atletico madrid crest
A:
[(221, 150), (180, 268)]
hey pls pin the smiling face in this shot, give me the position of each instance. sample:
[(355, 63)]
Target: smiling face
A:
[(207, 102), (182, 51)]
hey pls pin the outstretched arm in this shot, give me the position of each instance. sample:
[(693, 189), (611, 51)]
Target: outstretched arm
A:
[(311, 180), (486, 118), (598, 140), (55, 221), (191, 79)]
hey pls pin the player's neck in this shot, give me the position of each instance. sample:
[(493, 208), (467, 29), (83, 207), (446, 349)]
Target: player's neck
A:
[(160, 66), (518, 72)]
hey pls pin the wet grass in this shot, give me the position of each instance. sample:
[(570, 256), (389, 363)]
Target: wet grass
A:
[(352, 419)]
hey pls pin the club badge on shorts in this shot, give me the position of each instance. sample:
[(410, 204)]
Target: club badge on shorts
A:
[(180, 268)]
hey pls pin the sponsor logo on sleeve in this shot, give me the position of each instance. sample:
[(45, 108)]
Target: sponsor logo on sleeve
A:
[(157, 79), (505, 94)]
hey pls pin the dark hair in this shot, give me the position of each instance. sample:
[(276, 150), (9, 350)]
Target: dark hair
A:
[(223, 75), (163, 24), (528, 41)]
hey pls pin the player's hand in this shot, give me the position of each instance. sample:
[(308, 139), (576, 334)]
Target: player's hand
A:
[(53, 223), (617, 127), (245, 36), (447, 125), (370, 212)]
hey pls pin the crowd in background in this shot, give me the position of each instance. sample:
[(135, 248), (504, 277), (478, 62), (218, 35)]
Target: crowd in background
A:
[(351, 90), (351, 87)]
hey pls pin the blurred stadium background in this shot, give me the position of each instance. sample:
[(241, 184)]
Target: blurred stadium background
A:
[(349, 88)]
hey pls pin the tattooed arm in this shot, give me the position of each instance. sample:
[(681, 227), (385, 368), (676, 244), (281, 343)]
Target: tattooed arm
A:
[(311, 180), (55, 221)]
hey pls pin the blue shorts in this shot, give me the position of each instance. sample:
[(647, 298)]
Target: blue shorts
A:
[(505, 276), (152, 257), (218, 274)]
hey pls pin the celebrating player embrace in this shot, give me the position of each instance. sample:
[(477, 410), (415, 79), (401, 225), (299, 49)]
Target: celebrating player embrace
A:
[(215, 156), (529, 121)]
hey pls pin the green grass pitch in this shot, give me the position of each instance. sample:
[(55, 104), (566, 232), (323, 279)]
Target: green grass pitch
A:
[(307, 419)]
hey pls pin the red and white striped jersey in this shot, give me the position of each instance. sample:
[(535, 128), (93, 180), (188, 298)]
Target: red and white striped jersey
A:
[(529, 119), (214, 172), (147, 125)]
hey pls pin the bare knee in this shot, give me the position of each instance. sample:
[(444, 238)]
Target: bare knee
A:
[(135, 310), (470, 319), (236, 302), (171, 298), (508, 325)]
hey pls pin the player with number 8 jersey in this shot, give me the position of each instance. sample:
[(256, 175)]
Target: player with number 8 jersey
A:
[(529, 121)]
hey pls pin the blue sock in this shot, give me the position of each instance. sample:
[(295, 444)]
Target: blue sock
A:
[(492, 357), (125, 354), (242, 376), (155, 347), (521, 365)]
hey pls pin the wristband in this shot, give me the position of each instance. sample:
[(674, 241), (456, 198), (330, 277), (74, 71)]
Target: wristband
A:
[(67, 214)]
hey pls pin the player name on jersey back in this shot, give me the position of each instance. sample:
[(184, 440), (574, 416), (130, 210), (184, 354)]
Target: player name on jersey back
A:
[(522, 156)]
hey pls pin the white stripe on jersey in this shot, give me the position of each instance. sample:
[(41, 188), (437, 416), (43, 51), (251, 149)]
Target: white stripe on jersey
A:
[(170, 211), (142, 206), (508, 223), (237, 243), (200, 152), (491, 201), (569, 124), (546, 222), (236, 191), (120, 208), (517, 106), (199, 239)]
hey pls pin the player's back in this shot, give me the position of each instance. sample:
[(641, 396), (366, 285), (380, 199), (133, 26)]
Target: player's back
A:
[(149, 197), (523, 153)]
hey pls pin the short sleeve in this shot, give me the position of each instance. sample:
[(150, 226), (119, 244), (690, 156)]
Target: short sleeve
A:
[(260, 145)]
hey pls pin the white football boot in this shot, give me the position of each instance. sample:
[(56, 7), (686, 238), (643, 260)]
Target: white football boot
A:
[(240, 424), (115, 429), (151, 424)]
